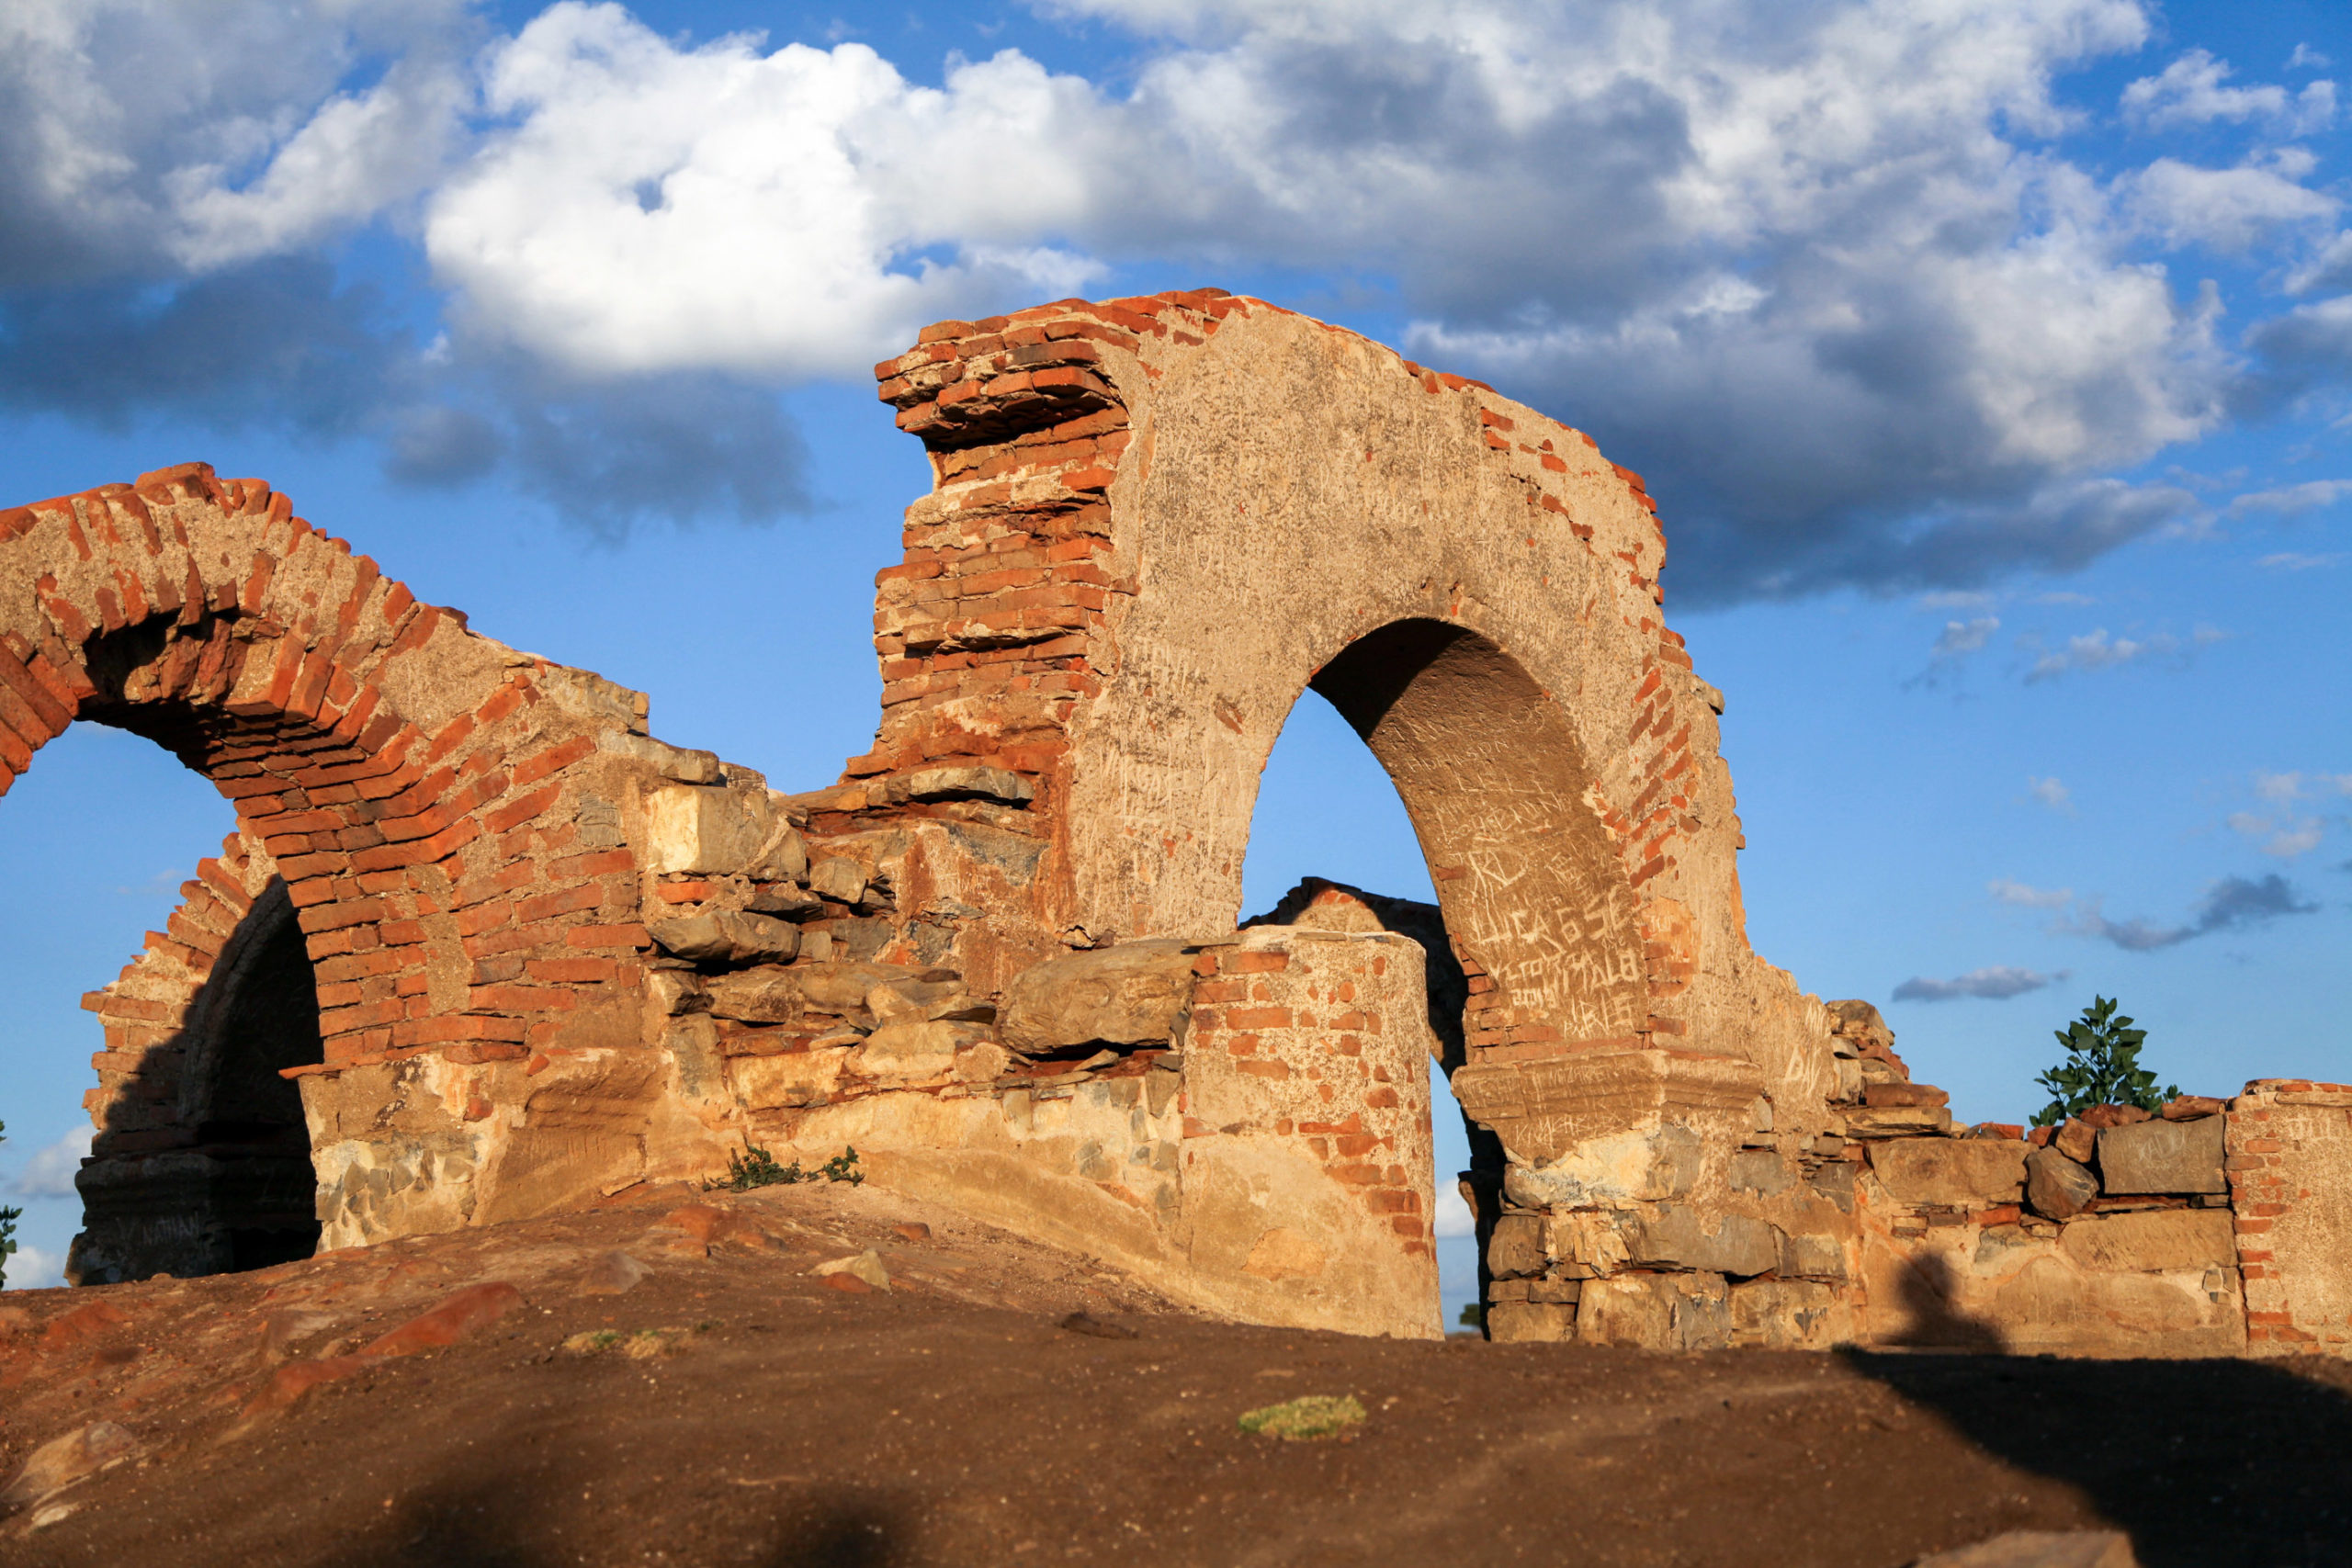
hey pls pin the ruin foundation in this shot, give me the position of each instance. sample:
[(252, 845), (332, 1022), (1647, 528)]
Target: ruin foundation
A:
[(481, 947)]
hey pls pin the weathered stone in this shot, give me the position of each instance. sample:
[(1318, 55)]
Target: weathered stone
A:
[(1786, 1315), (1762, 1171), (1894, 1120), (2105, 1116), (2056, 1186), (1675, 1235), (728, 937), (785, 899), (1529, 1322), (2152, 1241), (612, 1273), (707, 830), (1516, 1247), (1136, 993), (1963, 1173), (2076, 1139), (894, 1000), (2041, 1549), (915, 1051), (953, 783), (865, 1267), (2189, 1107), (2162, 1156), (839, 878), (1813, 1258), (60, 1462), (1655, 1311)]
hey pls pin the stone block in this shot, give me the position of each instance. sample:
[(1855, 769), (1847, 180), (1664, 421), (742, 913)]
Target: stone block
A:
[(2191, 1107), (2077, 1140), (838, 877), (914, 1051), (728, 937), (1813, 1258), (1959, 1173), (1784, 1315), (2057, 1187), (1760, 1171), (953, 783), (2162, 1156), (2151, 1240), (1133, 994), (1895, 1121), (710, 830), (1676, 1236), (1516, 1247), (1523, 1323)]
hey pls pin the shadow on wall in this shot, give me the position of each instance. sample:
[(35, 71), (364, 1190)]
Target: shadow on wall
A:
[(2207, 1465)]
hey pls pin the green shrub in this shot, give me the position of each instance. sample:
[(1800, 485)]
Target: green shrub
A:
[(2102, 1067), (757, 1167)]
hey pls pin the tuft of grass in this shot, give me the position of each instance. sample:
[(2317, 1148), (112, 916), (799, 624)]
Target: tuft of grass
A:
[(644, 1345), (1304, 1419), (755, 1167)]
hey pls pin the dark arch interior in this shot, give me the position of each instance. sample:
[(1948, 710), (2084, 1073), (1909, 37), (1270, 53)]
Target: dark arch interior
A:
[(234, 1189)]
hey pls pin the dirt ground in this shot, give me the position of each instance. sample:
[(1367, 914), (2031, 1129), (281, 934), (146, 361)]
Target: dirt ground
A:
[(954, 1419)]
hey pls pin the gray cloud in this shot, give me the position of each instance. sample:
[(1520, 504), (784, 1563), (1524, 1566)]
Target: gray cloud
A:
[(1996, 984), (1818, 270), (277, 343), (2234, 903)]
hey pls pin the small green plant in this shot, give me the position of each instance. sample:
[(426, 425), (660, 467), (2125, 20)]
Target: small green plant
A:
[(755, 1167), (2102, 1067), (1299, 1420), (8, 1218)]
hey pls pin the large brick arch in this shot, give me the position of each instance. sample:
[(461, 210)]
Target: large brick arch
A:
[(437, 819), (1158, 521)]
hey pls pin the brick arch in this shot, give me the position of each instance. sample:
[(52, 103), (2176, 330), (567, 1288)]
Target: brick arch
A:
[(1156, 522), (446, 813)]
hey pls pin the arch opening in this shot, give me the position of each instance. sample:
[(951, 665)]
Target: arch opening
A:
[(1491, 787)]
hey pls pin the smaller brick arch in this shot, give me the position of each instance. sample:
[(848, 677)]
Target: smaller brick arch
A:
[(433, 820)]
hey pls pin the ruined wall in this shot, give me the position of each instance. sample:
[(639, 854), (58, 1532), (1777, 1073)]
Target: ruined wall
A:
[(552, 957)]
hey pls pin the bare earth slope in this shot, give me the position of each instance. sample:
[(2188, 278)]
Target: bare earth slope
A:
[(776, 1416)]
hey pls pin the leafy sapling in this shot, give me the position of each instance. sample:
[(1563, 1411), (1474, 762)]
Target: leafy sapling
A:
[(2101, 1067)]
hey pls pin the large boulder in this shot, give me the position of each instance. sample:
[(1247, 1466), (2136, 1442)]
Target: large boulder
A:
[(1133, 994), (2164, 1157)]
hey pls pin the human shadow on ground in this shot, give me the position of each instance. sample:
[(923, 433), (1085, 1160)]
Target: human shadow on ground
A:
[(505, 1525), (2206, 1463)]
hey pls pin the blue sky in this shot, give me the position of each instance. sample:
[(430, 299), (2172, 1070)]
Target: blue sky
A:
[(1989, 360)]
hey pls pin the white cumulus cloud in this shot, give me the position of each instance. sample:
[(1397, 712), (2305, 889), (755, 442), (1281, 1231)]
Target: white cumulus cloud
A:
[(50, 1172), (803, 210)]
